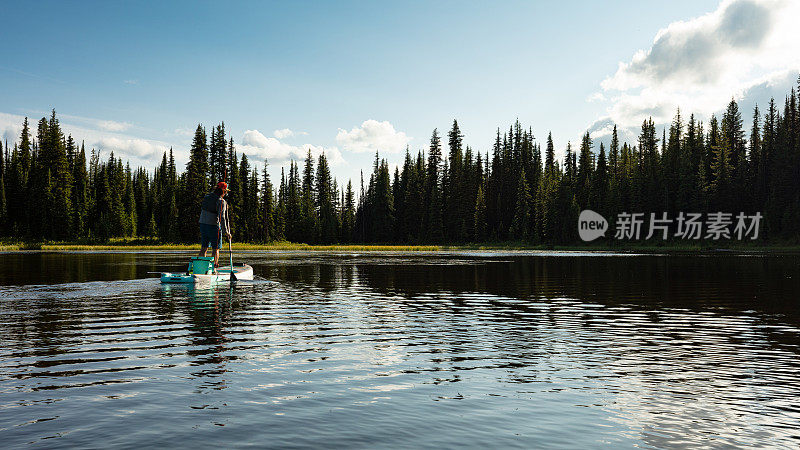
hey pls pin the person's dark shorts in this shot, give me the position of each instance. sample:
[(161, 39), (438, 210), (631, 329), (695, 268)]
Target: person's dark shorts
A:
[(210, 234)]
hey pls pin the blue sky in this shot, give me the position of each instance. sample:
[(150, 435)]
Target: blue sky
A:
[(347, 78)]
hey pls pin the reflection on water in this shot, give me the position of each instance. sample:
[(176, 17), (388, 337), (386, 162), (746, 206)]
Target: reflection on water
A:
[(402, 350)]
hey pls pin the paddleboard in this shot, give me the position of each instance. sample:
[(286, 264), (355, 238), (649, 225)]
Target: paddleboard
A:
[(223, 274)]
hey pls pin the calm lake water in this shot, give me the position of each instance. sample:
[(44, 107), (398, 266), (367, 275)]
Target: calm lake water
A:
[(402, 350)]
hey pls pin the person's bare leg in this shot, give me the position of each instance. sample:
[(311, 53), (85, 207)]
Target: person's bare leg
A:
[(216, 257), (203, 251)]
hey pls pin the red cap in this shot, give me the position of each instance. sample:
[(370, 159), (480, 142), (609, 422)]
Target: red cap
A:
[(222, 185)]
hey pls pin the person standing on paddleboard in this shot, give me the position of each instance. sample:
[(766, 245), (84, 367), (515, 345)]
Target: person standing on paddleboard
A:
[(214, 221)]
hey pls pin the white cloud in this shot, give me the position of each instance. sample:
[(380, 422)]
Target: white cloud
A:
[(131, 81), (10, 128), (595, 97), (284, 133), (110, 125), (256, 139), (88, 122), (140, 149), (699, 64), (255, 145), (373, 136), (602, 129)]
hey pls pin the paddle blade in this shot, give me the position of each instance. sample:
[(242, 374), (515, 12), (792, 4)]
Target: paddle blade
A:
[(230, 252)]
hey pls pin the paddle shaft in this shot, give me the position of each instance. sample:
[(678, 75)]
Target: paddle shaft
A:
[(230, 252)]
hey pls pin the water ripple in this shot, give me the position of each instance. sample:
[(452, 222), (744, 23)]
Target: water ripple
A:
[(484, 349)]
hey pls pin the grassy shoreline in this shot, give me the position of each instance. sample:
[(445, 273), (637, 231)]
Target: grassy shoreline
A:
[(136, 244)]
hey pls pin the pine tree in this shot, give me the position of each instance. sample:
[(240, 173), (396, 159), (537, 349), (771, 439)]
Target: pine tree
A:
[(102, 211), (477, 183), (328, 223), (456, 188), (280, 213), (733, 133), (480, 216), (781, 206), (243, 232), (722, 169), (234, 197), (151, 229), (349, 214), (401, 187), (80, 191), (293, 217), (249, 216), (689, 167), (598, 194), (255, 213), (382, 205), (217, 154), (733, 138), (671, 162), (165, 192), (433, 198), (613, 154), (522, 223), (143, 199), (45, 228), (756, 177), (647, 179), (585, 170), (706, 174), (308, 212), (39, 214), (195, 186), (546, 197), (120, 220), (72, 151), (269, 233), (62, 181), (18, 181), (131, 217), (534, 177), (494, 190), (509, 175), (768, 141)]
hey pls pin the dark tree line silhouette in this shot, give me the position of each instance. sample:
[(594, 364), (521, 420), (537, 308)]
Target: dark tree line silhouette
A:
[(50, 189)]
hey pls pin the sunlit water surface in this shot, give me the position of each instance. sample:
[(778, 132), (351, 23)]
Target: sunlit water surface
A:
[(402, 350)]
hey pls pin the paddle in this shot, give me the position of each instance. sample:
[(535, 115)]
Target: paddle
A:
[(230, 251)]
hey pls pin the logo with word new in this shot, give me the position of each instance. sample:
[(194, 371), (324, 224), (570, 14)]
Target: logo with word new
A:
[(591, 225), (631, 226)]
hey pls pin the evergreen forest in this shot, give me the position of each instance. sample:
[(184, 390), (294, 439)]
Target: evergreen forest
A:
[(514, 190)]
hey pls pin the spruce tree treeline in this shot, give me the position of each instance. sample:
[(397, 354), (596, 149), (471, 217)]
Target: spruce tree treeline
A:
[(51, 189)]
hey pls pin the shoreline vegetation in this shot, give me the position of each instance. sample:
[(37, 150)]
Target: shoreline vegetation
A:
[(613, 246)]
